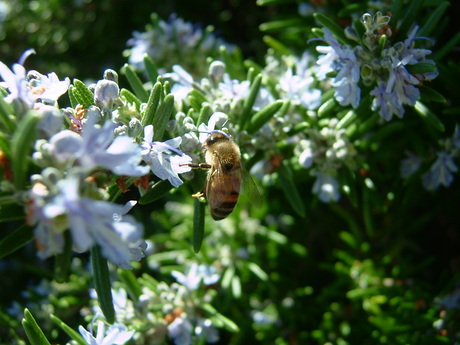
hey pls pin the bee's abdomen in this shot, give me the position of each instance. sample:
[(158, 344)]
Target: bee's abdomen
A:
[(224, 197)]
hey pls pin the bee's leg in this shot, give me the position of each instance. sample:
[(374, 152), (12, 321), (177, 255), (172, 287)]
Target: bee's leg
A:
[(198, 166), (200, 194)]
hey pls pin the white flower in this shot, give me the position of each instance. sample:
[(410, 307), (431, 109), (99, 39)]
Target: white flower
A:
[(46, 89), (15, 81), (326, 187), (97, 147), (164, 159), (116, 334), (306, 153), (298, 89), (217, 120), (195, 274)]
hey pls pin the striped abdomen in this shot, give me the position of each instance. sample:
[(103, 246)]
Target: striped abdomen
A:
[(222, 192)]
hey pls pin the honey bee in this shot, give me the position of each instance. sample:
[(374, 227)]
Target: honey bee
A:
[(227, 175)]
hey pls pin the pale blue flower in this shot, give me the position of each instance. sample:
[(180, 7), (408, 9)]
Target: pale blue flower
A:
[(410, 165), (326, 187), (387, 102), (97, 147), (164, 158), (341, 59), (116, 334), (456, 136), (441, 172), (50, 122), (207, 330), (89, 221), (180, 330)]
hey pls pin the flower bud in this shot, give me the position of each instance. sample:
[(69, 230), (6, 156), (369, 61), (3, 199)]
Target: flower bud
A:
[(105, 93)]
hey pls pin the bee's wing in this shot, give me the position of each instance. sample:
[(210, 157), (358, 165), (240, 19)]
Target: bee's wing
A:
[(249, 188)]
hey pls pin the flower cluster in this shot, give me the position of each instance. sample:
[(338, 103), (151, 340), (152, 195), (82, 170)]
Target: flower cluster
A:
[(182, 313), (328, 150), (174, 41), (374, 61), (441, 170), (76, 148)]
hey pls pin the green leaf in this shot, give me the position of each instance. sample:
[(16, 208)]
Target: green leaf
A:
[(396, 9), (228, 277), (102, 284), (276, 45), (412, 13), (352, 8), (205, 114), (70, 331), (228, 324), (33, 331), (63, 260), (290, 190), (21, 146), (433, 20), (421, 68), (131, 283), (427, 93), (250, 100), (162, 117), (333, 27), (198, 225), (236, 286), (259, 272), (327, 107), (5, 116), (446, 48), (150, 68), (152, 105), (282, 24), (73, 99), (347, 119), (130, 98), (16, 240), (380, 134), (83, 95), (430, 118), (263, 116), (158, 190), (135, 83), (10, 210)]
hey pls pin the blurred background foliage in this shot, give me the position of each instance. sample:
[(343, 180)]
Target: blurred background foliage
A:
[(381, 270)]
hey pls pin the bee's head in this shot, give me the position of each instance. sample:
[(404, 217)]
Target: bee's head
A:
[(216, 136)]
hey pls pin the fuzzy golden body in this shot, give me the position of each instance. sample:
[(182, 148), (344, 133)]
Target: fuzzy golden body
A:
[(224, 176)]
